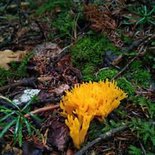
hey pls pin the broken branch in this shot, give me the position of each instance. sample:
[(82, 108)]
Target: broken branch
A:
[(144, 41), (101, 137), (47, 108), (24, 82)]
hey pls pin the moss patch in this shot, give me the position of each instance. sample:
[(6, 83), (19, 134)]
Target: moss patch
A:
[(138, 74), (87, 53), (50, 5), (16, 71), (126, 85), (106, 73), (63, 23)]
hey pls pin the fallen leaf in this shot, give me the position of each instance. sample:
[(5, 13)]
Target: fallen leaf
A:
[(58, 135), (29, 148), (43, 55), (61, 89), (44, 78), (8, 56), (70, 152), (8, 149)]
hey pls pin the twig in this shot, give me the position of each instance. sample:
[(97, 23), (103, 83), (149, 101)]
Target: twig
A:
[(63, 52), (127, 65), (27, 81), (134, 45), (19, 11), (43, 101), (144, 41), (143, 149), (41, 29), (8, 40), (101, 137), (125, 50), (47, 108)]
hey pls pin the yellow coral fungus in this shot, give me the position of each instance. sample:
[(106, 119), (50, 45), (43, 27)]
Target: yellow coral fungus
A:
[(86, 101)]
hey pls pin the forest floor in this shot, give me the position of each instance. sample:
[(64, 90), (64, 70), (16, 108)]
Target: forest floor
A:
[(46, 48)]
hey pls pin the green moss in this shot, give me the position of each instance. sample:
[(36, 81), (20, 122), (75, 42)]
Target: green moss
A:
[(88, 72), (126, 85), (89, 50), (146, 103), (95, 129), (127, 39), (64, 23), (52, 4), (106, 74), (4, 75), (16, 71), (122, 82), (142, 77), (136, 65), (138, 75)]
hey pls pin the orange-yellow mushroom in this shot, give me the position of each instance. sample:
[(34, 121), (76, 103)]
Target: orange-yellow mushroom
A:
[(86, 101)]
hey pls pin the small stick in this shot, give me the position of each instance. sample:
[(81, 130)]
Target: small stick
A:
[(43, 109), (136, 43), (43, 101), (143, 149), (145, 41), (27, 81), (127, 65), (63, 52), (101, 137)]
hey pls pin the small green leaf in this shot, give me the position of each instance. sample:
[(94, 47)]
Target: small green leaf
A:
[(28, 126), (35, 117), (11, 102), (20, 135), (5, 117), (6, 128), (27, 104), (17, 125), (4, 109)]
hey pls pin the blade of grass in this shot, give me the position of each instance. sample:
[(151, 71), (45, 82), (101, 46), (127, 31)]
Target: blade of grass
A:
[(5, 109), (17, 126), (8, 100), (28, 126), (20, 135), (35, 117), (30, 102), (5, 117), (6, 128)]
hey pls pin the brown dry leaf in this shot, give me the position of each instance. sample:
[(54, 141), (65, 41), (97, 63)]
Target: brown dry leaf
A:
[(8, 56), (30, 148), (8, 149), (44, 78), (43, 55), (70, 152), (21, 32), (58, 135), (102, 20), (61, 89), (1, 39)]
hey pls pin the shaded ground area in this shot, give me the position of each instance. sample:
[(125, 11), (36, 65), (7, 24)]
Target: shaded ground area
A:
[(48, 47)]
